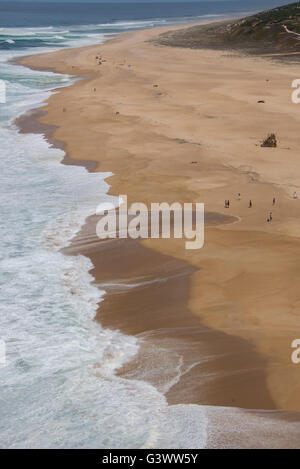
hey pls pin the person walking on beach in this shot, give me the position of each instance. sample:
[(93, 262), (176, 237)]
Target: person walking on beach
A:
[(239, 196), (295, 195), (274, 201), (250, 204), (271, 216)]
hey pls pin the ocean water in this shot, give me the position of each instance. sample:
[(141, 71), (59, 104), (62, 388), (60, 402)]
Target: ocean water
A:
[(51, 393)]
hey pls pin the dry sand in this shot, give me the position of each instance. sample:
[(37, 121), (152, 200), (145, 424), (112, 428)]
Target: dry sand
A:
[(231, 309)]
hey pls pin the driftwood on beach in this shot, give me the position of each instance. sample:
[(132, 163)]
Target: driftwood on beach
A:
[(270, 141)]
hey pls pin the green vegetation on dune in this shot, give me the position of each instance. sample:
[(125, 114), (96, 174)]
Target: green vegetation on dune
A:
[(268, 32), (288, 14), (268, 25)]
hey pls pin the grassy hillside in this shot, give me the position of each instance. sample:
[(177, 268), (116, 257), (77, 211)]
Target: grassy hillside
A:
[(269, 32)]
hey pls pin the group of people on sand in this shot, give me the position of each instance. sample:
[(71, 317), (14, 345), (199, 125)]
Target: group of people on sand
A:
[(100, 59), (227, 202), (270, 217)]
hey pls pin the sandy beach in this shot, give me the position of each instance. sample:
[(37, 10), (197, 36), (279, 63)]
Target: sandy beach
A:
[(229, 311)]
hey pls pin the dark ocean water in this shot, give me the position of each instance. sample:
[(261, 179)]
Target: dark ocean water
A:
[(25, 14), (25, 25)]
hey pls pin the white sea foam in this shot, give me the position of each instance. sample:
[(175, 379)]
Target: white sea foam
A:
[(59, 386)]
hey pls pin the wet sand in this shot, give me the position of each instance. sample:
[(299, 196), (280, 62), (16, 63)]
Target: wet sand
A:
[(230, 310), (147, 296)]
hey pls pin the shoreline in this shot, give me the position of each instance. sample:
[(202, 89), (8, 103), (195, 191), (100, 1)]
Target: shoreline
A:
[(113, 317), (115, 310), (250, 391), (158, 285)]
